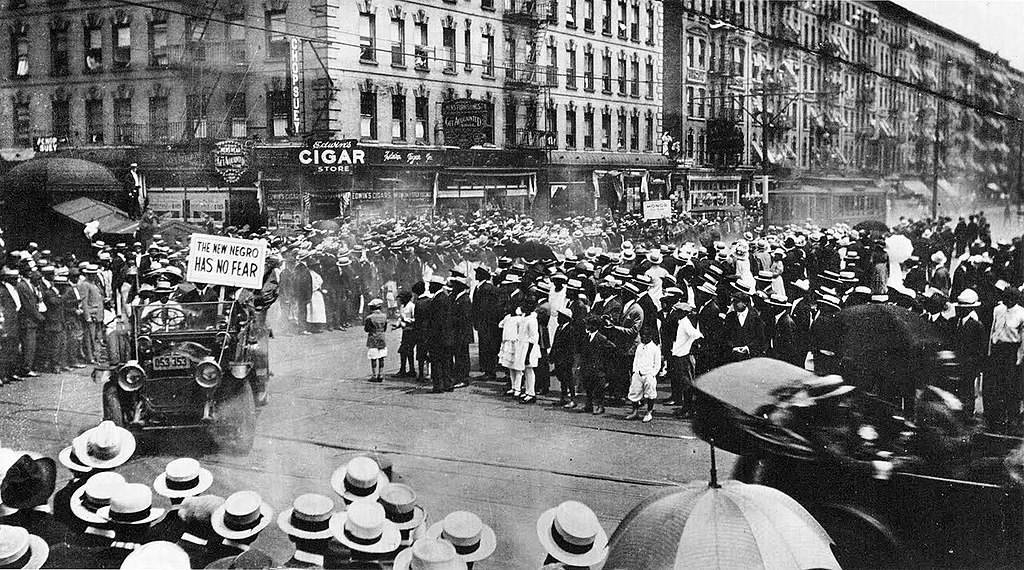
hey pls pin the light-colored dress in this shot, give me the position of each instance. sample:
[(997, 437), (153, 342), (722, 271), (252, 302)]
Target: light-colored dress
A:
[(529, 335), (316, 312), (510, 326)]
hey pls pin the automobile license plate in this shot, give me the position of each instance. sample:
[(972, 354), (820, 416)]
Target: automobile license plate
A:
[(172, 362)]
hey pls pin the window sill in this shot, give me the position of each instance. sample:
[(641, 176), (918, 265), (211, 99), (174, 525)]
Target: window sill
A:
[(588, 29), (649, 97), (570, 87), (488, 8), (423, 68), (490, 76), (368, 139), (606, 91), (19, 77), (124, 69), (606, 34), (588, 89), (398, 66), (570, 25), (368, 61), (449, 72), (468, 68), (88, 71)]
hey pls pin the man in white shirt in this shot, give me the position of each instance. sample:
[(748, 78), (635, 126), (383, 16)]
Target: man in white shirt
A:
[(1001, 392), (681, 362)]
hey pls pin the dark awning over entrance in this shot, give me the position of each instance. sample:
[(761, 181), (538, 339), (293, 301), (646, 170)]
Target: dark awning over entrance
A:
[(62, 174), (84, 210)]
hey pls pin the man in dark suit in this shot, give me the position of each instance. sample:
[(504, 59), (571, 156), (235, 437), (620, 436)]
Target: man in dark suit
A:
[(970, 343), (782, 344), (743, 334), (439, 333), (711, 325), (596, 352), (10, 334), (649, 327), (563, 349), (53, 351), (462, 320), (486, 316), (75, 322), (30, 320)]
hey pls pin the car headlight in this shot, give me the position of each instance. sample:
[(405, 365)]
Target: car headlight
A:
[(131, 376), (208, 373)]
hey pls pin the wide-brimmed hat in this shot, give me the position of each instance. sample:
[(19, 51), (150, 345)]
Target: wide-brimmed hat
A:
[(830, 300), (68, 459), (764, 276), (252, 559), (21, 549), (777, 300), (242, 515), (365, 528), (28, 483), (308, 518), (157, 554), (130, 504), (360, 478), (654, 256), (472, 539), (399, 502), (571, 534), (105, 446), (429, 554), (709, 287), (183, 477), (94, 495)]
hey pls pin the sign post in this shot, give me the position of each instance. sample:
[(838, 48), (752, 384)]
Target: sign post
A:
[(231, 262), (657, 209)]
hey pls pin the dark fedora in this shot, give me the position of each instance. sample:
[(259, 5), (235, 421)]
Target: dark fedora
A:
[(29, 482)]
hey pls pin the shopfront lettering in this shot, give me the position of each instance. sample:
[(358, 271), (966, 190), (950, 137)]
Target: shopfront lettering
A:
[(409, 158), (330, 156)]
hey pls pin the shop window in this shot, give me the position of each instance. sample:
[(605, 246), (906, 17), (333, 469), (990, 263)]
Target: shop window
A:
[(22, 123), (238, 114), (398, 117), (19, 54), (124, 129), (59, 51), (278, 113), (94, 121), (60, 117), (422, 120), (158, 118), (398, 42), (588, 70), (368, 37), (93, 46), (276, 25), (622, 75), (570, 14), (588, 129), (368, 115), (122, 45), (570, 66), (448, 54), (158, 44), (570, 128), (606, 130), (588, 15)]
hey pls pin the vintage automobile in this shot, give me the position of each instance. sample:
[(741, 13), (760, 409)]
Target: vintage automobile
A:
[(192, 365), (883, 503)]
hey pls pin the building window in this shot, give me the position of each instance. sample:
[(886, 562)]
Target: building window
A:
[(368, 37), (634, 88), (277, 26), (570, 14), (468, 47), (59, 52), (398, 117), (552, 71), (60, 116), (649, 72), (551, 123), (570, 128), (606, 73), (93, 46), (691, 55), (448, 53), (621, 139), (238, 115), (606, 129), (158, 112), (124, 129), (588, 15), (22, 124), (368, 115), (700, 147), (702, 47), (622, 19), (650, 24), (398, 42), (236, 46), (701, 98), (422, 120), (622, 74), (511, 107), (421, 56), (634, 133), (689, 101), (487, 4), (122, 45), (689, 144), (588, 70), (634, 24), (488, 54), (195, 113), (19, 54), (649, 132), (158, 44), (606, 18), (588, 128), (279, 113), (94, 121), (570, 66)]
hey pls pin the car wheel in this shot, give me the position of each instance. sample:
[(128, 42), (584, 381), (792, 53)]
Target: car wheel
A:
[(112, 404), (237, 421)]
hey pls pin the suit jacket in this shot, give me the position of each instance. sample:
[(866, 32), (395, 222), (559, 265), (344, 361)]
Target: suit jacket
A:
[(92, 301), (462, 319), (29, 316), (783, 342), (55, 314), (594, 355), (486, 306), (750, 334), (439, 329), (712, 326), (649, 327), (563, 345), (970, 342), (626, 329), (9, 310)]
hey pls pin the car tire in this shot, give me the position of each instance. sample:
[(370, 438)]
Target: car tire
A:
[(237, 419), (112, 410)]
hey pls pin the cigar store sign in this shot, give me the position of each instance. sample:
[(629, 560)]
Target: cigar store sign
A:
[(332, 156)]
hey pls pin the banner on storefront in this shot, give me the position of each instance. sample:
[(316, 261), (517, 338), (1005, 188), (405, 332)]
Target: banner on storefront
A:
[(231, 262), (657, 209)]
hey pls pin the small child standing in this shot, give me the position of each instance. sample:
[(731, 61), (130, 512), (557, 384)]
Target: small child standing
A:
[(407, 322), (376, 325), (644, 383)]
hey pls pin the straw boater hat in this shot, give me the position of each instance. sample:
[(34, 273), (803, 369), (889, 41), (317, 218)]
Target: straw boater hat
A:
[(968, 298), (130, 504), (472, 539), (429, 554), (360, 478), (183, 477), (242, 515), (365, 528), (157, 554), (399, 502), (21, 549), (105, 446), (571, 534), (309, 517), (94, 495)]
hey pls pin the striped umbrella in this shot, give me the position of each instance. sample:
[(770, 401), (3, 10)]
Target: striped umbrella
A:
[(708, 526)]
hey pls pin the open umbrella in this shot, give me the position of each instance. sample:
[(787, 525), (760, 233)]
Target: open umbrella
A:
[(707, 526)]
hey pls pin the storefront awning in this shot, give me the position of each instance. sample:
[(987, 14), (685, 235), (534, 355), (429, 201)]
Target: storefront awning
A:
[(85, 210), (917, 187)]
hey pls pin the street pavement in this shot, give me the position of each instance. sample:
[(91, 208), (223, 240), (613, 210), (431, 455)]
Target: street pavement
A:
[(473, 449)]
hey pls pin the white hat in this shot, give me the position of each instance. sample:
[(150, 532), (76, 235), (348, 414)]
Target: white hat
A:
[(360, 478), (365, 528), (399, 502), (472, 539), (21, 549), (309, 518), (68, 459), (968, 298), (565, 311), (131, 504), (429, 554), (571, 534), (242, 515), (105, 446), (183, 477), (158, 554), (94, 495)]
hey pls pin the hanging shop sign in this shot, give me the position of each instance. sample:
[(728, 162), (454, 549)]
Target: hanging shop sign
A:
[(657, 209), (466, 122), (230, 159), (295, 82), (332, 156)]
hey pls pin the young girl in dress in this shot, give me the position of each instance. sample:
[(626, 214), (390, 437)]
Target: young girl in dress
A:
[(510, 334), (528, 349), (376, 326)]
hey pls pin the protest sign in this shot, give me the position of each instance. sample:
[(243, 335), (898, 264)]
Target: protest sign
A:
[(220, 260)]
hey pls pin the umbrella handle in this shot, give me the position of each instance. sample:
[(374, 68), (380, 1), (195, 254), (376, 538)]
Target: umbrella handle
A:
[(714, 467)]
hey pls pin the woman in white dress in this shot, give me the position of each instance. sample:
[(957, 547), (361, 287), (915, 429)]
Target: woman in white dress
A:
[(316, 312), (509, 352)]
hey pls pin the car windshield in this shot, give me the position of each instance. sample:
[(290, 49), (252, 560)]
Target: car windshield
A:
[(173, 317)]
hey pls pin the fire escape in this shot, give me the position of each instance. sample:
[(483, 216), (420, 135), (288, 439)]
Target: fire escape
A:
[(528, 83), (826, 131), (726, 82)]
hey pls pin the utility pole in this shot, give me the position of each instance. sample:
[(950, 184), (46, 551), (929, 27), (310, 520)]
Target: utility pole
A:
[(935, 165), (764, 161)]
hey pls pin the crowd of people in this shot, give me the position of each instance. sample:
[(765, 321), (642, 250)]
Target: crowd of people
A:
[(367, 520)]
